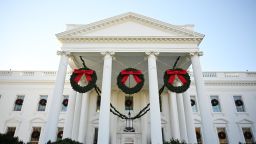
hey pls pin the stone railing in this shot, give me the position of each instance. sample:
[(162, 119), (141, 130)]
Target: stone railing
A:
[(228, 75), (28, 75)]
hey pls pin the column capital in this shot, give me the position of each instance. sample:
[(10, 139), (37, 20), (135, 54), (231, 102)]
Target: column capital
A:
[(199, 53), (61, 53), (155, 53), (111, 53)]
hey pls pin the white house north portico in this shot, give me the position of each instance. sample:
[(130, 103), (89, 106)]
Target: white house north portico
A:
[(134, 41), (113, 44)]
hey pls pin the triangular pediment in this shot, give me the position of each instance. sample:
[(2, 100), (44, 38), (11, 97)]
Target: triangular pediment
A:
[(129, 25)]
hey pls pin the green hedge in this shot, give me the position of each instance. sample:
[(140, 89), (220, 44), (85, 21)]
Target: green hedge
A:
[(9, 139)]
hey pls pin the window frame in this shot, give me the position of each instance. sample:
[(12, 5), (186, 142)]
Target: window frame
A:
[(218, 107)]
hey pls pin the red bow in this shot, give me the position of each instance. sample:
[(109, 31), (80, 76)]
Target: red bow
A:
[(179, 73), (134, 73), (80, 73)]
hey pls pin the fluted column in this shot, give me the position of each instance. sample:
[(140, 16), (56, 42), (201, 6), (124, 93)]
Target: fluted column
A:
[(50, 131), (189, 119), (182, 121), (104, 117), (83, 118), (155, 115), (77, 113), (209, 133), (175, 129), (67, 133)]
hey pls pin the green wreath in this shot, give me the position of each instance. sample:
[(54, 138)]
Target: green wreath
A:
[(124, 75), (169, 77), (76, 76)]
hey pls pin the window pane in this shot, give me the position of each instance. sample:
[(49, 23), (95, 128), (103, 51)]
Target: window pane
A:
[(18, 103), (223, 139), (128, 102), (11, 131), (239, 104), (35, 135), (248, 136), (215, 104), (193, 103), (198, 135), (42, 103), (64, 107)]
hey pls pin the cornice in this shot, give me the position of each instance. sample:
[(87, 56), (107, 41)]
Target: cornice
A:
[(128, 39), (128, 17)]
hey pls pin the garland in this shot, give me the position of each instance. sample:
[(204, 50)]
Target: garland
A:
[(248, 135), (65, 102), (19, 102), (76, 76), (239, 102), (35, 134), (221, 135), (192, 102), (123, 77), (170, 76), (214, 102), (43, 102), (60, 134)]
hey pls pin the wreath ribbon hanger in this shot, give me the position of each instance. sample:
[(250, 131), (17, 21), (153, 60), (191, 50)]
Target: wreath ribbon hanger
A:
[(135, 74), (178, 73), (80, 73)]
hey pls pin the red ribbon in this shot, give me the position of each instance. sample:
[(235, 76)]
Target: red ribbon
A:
[(134, 73), (179, 74), (80, 73)]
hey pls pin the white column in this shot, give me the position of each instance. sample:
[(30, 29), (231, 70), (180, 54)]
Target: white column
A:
[(103, 137), (76, 121), (83, 118), (209, 134), (144, 120), (175, 129), (50, 131), (155, 115), (67, 133), (189, 119), (166, 112), (182, 121)]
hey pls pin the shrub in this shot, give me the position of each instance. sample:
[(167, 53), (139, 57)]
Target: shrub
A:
[(9, 139), (64, 141), (174, 141)]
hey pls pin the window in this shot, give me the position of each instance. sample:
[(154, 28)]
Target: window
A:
[(239, 104), (193, 103), (42, 103), (11, 131), (215, 104), (64, 103), (163, 135), (60, 133), (35, 135), (98, 104), (128, 102), (198, 135), (95, 139), (18, 103), (222, 135), (248, 136)]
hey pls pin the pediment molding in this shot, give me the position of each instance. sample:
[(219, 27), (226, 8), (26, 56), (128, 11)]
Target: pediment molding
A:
[(131, 39), (75, 33)]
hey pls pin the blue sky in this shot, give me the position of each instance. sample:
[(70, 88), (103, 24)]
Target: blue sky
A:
[(28, 28)]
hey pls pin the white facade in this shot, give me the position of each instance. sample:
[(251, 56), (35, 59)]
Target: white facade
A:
[(108, 46)]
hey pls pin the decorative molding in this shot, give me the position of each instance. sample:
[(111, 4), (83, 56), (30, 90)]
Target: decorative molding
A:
[(125, 39), (110, 53), (129, 17), (199, 53), (149, 53), (61, 53)]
